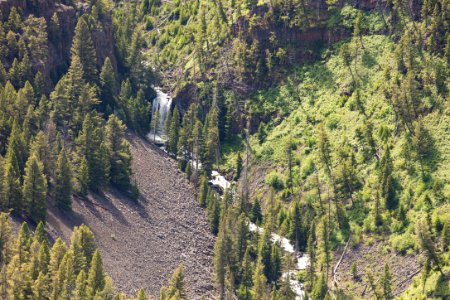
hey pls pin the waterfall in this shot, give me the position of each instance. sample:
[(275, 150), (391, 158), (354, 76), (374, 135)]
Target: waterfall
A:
[(162, 102)]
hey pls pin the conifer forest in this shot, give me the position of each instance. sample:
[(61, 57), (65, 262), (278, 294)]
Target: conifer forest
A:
[(224, 149)]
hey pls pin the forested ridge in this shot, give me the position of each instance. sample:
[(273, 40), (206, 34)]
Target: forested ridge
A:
[(330, 118), (62, 128)]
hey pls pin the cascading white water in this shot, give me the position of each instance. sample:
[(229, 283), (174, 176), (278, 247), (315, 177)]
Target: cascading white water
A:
[(302, 263), (162, 102)]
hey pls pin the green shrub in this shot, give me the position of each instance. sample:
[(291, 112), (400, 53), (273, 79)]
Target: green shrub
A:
[(275, 181), (354, 270), (403, 243)]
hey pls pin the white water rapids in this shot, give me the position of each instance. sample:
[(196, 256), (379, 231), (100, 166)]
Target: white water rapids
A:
[(285, 244), (162, 102)]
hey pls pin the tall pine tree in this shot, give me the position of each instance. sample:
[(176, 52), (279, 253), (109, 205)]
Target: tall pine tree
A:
[(119, 153), (83, 47), (35, 189), (63, 182)]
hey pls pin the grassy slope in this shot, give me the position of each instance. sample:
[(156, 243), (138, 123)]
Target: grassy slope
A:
[(323, 88)]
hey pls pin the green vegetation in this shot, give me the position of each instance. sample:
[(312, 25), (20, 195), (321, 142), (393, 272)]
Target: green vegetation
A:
[(333, 117), (54, 138), (36, 270), (355, 140)]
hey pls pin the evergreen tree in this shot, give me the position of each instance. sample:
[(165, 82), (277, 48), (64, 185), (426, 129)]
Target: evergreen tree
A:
[(96, 279), (39, 234), (57, 253), (387, 184), (41, 290), (259, 290), (212, 143), (14, 74), (40, 148), (17, 148), (324, 149), (246, 281), (312, 255), (54, 29), (35, 189), (325, 246), (222, 254), (424, 146), (183, 153), (320, 288), (83, 177), (85, 102), (119, 153), (242, 235), (354, 270), (256, 214), (83, 47), (11, 190), (285, 291), (16, 282), (156, 117), (23, 243), (386, 283), (37, 40), (203, 191), (82, 246), (172, 144), (39, 84), (107, 86), (90, 145), (142, 295), (264, 252), (357, 28), (25, 70), (61, 102), (427, 244), (275, 259), (239, 166), (213, 211), (446, 236), (63, 182), (176, 289), (80, 286)]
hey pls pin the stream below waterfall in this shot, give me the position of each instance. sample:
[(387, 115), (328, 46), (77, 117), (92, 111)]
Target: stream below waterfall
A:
[(158, 135), (302, 262)]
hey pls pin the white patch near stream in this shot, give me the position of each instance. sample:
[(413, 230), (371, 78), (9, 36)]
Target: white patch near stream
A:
[(163, 103), (285, 244)]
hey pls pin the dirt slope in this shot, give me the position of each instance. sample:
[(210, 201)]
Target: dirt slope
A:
[(143, 243), (372, 256)]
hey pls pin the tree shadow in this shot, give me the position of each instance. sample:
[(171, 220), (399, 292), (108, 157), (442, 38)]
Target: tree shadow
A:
[(136, 206)]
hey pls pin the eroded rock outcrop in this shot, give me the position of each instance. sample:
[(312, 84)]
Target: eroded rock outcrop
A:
[(59, 49)]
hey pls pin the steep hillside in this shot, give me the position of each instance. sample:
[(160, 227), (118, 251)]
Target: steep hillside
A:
[(330, 117), (333, 118), (143, 242)]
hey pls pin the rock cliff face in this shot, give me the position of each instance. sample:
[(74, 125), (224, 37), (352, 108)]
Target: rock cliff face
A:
[(59, 50), (301, 43), (298, 41)]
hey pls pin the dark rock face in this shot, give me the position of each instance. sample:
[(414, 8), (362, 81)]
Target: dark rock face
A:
[(59, 50), (185, 97)]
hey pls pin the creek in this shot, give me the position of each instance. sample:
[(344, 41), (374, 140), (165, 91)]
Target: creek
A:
[(162, 102), (301, 259)]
